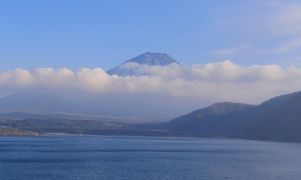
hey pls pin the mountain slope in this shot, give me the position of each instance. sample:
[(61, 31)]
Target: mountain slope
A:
[(220, 119), (148, 58), (278, 119)]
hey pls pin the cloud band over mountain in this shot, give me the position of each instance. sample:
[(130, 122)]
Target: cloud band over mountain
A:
[(212, 82)]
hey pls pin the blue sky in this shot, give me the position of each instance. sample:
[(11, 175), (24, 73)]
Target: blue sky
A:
[(77, 33)]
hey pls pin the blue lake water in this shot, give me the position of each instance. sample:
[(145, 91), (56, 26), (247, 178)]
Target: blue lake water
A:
[(147, 158)]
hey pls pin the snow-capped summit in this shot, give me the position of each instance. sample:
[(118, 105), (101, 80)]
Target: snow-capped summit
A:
[(148, 58), (151, 58)]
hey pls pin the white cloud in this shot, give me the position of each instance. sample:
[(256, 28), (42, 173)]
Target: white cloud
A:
[(92, 79), (221, 71), (213, 81), (17, 78)]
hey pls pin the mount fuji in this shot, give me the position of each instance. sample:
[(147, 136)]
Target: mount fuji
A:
[(128, 68)]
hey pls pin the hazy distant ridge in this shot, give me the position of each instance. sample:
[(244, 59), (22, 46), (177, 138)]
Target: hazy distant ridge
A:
[(276, 119)]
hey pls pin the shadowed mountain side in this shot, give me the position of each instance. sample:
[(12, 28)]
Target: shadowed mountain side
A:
[(220, 119), (278, 119)]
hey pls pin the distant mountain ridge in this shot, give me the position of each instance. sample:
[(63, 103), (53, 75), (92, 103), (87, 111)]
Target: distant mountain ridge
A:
[(37, 103), (278, 119), (224, 108), (148, 58)]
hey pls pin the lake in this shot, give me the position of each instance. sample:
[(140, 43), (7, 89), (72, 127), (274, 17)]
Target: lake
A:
[(146, 158)]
